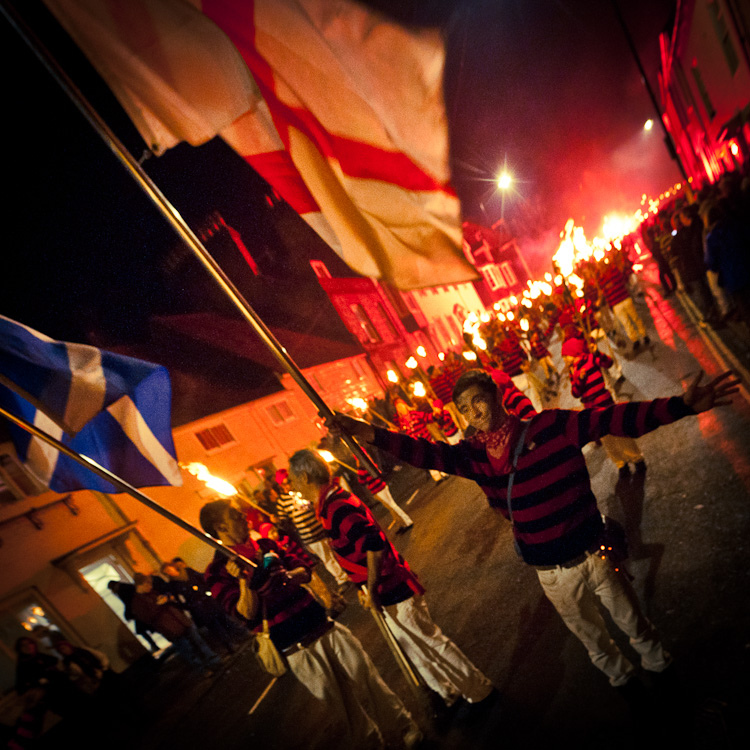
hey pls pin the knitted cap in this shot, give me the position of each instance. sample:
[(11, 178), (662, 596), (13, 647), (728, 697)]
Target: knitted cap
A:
[(573, 347)]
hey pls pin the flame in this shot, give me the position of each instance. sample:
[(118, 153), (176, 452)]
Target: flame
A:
[(421, 351), (419, 389), (214, 483), (392, 377), (327, 456), (411, 363), (358, 403), (441, 356), (524, 324), (471, 356)]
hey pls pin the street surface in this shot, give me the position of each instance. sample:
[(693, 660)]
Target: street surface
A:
[(689, 527)]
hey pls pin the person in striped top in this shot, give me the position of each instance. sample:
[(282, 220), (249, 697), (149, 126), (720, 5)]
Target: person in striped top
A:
[(586, 365), (391, 586), (534, 473), (322, 654), (615, 292), (414, 422), (380, 490), (292, 508)]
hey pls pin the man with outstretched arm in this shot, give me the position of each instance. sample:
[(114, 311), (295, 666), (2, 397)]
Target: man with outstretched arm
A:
[(534, 472)]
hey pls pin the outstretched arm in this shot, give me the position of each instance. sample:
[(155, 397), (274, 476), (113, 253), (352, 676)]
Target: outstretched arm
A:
[(716, 393)]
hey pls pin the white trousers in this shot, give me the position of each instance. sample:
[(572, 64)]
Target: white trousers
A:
[(628, 317), (337, 671), (385, 497), (322, 549), (576, 594), (442, 665)]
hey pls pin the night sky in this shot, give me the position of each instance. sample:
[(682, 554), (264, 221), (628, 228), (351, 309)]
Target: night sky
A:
[(548, 87)]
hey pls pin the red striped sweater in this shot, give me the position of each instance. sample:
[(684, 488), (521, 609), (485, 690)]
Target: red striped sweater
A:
[(555, 514), (613, 286), (587, 380), (353, 531)]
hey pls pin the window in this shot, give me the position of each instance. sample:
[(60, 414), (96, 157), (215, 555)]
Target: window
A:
[(506, 269), (280, 413), (320, 269), (15, 483), (368, 332), (493, 277), (359, 371), (703, 91), (213, 438), (722, 32)]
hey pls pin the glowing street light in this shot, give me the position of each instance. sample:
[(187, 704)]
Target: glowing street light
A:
[(648, 124), (504, 181)]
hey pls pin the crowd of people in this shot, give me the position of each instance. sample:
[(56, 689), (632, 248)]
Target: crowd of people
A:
[(484, 415)]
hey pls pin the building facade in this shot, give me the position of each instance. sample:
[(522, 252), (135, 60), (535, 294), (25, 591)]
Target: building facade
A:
[(704, 82)]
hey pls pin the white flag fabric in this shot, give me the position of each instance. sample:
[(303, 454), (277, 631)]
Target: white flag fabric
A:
[(340, 109), (108, 407)]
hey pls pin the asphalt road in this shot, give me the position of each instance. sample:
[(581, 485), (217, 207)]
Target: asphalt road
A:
[(689, 526)]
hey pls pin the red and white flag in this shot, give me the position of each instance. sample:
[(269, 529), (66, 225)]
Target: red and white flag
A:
[(340, 109)]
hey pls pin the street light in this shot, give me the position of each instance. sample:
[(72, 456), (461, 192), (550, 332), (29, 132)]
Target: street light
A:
[(648, 124), (504, 181)]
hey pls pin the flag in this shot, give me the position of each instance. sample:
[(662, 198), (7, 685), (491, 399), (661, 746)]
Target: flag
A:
[(340, 109), (108, 407)]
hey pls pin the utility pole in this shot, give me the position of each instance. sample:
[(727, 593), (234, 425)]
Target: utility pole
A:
[(669, 142)]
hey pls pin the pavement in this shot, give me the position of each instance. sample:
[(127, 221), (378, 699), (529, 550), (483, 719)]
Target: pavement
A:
[(688, 520)]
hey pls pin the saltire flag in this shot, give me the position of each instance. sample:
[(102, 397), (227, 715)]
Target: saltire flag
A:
[(340, 109), (108, 407)]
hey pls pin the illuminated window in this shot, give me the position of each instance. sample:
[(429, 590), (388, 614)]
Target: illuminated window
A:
[(506, 269), (280, 413), (369, 332), (213, 438), (493, 277)]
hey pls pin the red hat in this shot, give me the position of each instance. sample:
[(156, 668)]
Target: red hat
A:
[(281, 476), (264, 529), (573, 347)]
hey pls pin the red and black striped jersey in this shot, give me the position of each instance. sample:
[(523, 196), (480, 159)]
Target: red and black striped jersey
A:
[(353, 531), (587, 381), (555, 514)]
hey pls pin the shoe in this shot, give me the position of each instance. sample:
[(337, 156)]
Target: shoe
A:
[(639, 467), (404, 529), (623, 472), (413, 737)]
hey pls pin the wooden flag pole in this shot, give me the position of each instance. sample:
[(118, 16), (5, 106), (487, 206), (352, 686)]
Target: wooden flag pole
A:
[(178, 224)]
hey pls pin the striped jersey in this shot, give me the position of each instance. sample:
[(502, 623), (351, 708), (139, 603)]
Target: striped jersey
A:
[(302, 514), (555, 515), (587, 380), (367, 480), (414, 423), (353, 531), (511, 355), (513, 399), (446, 423), (612, 283), (291, 611)]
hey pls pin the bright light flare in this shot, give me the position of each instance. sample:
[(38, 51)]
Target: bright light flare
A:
[(441, 356), (418, 389), (524, 324), (358, 403), (411, 363), (648, 125), (504, 181), (327, 456), (421, 351), (471, 356), (392, 376), (212, 482)]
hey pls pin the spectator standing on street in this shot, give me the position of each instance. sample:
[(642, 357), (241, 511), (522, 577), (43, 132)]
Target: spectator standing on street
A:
[(391, 586), (164, 616)]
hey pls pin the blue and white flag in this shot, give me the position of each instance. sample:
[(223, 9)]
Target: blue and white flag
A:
[(111, 408)]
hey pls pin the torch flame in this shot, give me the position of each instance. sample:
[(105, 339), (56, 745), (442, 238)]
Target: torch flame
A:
[(218, 485)]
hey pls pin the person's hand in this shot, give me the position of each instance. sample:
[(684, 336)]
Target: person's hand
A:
[(341, 423), (716, 393), (367, 600)]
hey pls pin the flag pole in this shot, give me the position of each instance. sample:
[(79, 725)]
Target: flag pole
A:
[(123, 486), (178, 223)]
